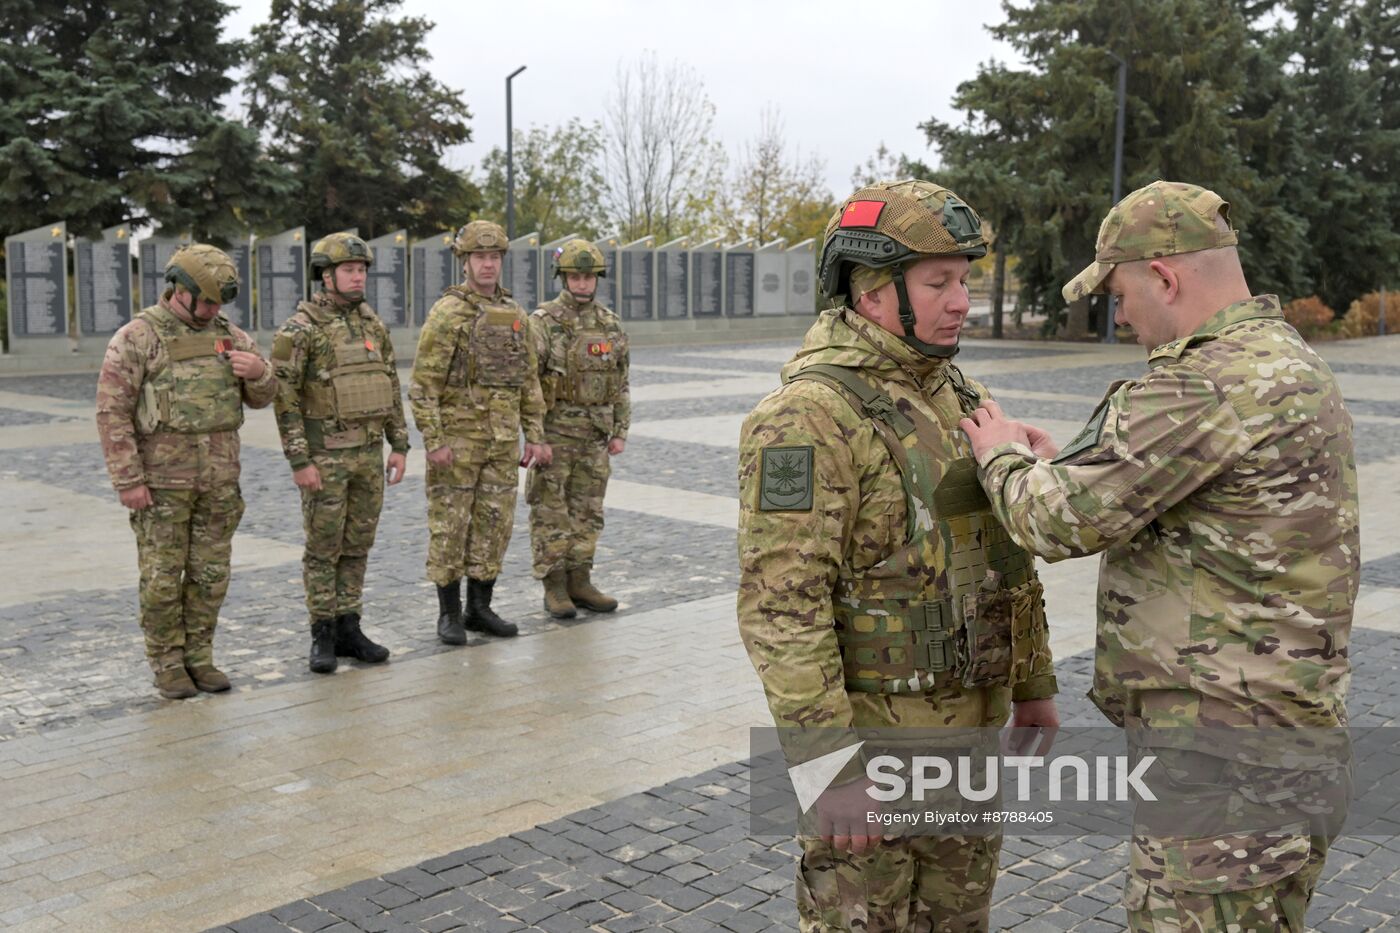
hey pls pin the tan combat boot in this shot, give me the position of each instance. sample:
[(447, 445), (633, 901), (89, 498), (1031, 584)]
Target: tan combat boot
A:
[(209, 678), (556, 595), (174, 683), (585, 594)]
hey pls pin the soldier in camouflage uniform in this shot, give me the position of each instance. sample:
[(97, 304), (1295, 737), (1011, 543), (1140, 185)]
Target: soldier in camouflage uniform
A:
[(475, 386), (338, 402), (876, 588), (169, 404), (1221, 489), (582, 355)]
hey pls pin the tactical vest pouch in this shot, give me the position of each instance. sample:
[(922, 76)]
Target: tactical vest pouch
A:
[(594, 363), (317, 400), (1003, 631), (318, 439), (498, 354), (895, 645), (363, 390)]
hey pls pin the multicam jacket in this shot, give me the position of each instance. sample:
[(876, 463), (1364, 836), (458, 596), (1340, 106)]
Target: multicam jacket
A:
[(583, 362), (475, 375), (830, 541), (1221, 489), (168, 404), (339, 386)]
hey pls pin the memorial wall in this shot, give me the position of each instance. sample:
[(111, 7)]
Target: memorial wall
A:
[(109, 280)]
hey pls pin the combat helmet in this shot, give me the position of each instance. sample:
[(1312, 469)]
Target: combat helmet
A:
[(206, 271), (579, 255), (333, 249), (480, 236), (889, 224)]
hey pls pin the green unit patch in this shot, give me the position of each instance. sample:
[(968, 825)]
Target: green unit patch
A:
[(1088, 436), (787, 479)]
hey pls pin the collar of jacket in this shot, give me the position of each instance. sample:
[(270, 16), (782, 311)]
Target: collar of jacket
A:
[(1258, 306), (322, 308)]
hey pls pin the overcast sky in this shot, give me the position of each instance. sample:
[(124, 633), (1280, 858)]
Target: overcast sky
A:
[(843, 77)]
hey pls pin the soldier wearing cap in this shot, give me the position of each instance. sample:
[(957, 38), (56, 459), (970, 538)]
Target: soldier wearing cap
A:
[(876, 589), (170, 401), (582, 354), (1221, 489), (338, 403), (475, 388)]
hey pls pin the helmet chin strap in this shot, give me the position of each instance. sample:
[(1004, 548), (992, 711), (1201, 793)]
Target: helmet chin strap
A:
[(906, 317)]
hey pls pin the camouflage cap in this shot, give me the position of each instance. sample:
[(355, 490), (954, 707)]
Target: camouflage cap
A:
[(332, 250), (480, 236), (1161, 219), (893, 222), (206, 271), (579, 255)]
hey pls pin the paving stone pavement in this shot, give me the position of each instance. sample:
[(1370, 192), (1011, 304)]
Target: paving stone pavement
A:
[(673, 856), (678, 857)]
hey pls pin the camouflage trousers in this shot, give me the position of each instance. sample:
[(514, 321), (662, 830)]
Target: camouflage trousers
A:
[(566, 504), (922, 883), (471, 510), (1159, 902), (916, 882), (183, 542), (341, 519)]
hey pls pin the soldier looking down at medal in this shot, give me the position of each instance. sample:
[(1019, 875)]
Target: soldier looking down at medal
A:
[(338, 403), (582, 354), (170, 401), (475, 388), (876, 587)]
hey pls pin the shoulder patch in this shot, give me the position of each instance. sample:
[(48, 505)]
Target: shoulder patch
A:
[(282, 347), (787, 479)]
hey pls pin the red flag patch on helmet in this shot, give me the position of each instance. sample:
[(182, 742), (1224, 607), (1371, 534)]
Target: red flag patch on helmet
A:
[(862, 213)]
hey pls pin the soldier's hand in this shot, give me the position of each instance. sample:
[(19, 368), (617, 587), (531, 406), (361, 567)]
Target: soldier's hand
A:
[(844, 817), (396, 468), (1041, 443), (308, 477), (616, 446), (1034, 724), (440, 456), (136, 498), (247, 365), (537, 455), (989, 427)]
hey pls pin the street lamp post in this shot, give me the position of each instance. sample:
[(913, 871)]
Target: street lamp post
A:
[(510, 161), (1110, 330)]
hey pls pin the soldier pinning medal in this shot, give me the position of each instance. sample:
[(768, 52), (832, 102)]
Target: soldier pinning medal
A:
[(475, 388), (170, 400), (877, 588), (1221, 489), (581, 351), (339, 402)]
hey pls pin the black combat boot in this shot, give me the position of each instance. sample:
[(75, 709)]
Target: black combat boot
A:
[(450, 630), (323, 646), (350, 642), (480, 616)]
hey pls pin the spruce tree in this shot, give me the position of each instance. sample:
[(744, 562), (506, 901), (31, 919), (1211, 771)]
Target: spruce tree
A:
[(110, 112), (342, 93)]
